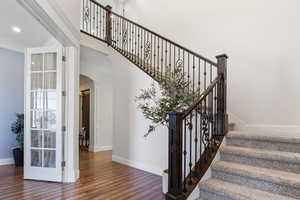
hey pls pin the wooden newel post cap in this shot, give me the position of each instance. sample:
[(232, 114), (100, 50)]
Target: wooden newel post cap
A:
[(108, 7), (222, 56)]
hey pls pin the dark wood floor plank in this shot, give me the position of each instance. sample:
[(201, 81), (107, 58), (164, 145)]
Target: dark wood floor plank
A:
[(101, 179)]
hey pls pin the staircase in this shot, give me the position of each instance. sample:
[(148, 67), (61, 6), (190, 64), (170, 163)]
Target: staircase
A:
[(255, 167), (194, 134)]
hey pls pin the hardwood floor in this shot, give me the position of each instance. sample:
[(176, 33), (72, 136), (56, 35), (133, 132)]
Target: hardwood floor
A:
[(100, 179)]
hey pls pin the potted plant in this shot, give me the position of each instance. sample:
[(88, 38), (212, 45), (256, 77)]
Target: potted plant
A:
[(174, 94), (18, 129)]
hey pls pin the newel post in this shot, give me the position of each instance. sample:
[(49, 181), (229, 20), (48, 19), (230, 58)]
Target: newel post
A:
[(108, 24), (222, 95), (175, 190)]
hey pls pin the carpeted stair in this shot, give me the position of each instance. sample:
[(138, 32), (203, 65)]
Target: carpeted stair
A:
[(255, 167)]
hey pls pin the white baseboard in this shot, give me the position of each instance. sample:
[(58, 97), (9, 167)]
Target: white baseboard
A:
[(100, 148), (137, 165), (273, 128), (7, 161)]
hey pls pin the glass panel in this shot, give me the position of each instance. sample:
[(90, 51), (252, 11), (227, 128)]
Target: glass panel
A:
[(36, 138), (50, 80), (36, 158), (49, 158), (36, 100), (50, 61), (36, 119), (50, 120), (36, 81), (50, 100), (37, 62), (49, 139)]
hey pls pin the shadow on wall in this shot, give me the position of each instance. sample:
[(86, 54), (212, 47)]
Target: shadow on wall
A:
[(11, 99)]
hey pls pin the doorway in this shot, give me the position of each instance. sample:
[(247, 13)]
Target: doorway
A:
[(86, 137)]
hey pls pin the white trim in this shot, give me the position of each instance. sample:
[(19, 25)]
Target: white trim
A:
[(273, 128), (18, 50), (241, 125), (100, 148), (137, 165), (7, 161), (72, 115)]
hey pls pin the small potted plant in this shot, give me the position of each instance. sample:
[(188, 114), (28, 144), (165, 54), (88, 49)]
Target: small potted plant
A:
[(18, 129)]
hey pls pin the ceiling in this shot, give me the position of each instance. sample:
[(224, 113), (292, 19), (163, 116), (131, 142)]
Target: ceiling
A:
[(33, 34)]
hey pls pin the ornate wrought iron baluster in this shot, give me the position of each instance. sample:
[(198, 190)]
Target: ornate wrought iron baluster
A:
[(190, 145), (184, 156)]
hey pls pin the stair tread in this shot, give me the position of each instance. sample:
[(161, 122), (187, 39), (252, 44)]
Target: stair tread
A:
[(274, 176), (262, 153), (236, 191), (271, 137)]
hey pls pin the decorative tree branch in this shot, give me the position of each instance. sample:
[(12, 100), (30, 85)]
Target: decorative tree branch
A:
[(174, 94)]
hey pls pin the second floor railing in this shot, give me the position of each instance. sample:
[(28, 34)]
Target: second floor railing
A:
[(194, 135)]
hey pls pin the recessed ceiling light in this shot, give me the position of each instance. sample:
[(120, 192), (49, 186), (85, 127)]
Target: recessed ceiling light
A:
[(16, 29)]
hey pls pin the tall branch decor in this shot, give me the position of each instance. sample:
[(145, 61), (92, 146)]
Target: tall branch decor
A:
[(174, 94)]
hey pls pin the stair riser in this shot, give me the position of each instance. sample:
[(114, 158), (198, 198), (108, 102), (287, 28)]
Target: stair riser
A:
[(285, 190), (269, 145), (261, 162), (213, 196)]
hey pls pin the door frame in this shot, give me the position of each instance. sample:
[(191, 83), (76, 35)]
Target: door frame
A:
[(51, 16)]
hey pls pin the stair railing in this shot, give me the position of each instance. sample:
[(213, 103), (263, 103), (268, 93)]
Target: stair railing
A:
[(194, 135)]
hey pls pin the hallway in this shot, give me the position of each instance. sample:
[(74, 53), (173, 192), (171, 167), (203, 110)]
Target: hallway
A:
[(101, 179)]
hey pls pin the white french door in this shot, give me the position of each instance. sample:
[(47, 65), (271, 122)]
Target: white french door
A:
[(43, 114)]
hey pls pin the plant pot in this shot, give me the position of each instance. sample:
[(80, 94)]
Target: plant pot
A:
[(165, 181), (18, 157)]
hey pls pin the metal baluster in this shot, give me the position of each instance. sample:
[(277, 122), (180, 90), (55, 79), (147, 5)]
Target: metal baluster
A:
[(90, 9), (135, 43), (154, 64), (82, 15), (162, 59), (199, 76), (130, 42), (138, 47), (191, 144), (100, 23), (166, 58), (158, 57), (141, 49), (193, 86), (93, 29), (151, 58), (184, 157), (144, 46), (205, 75), (133, 39), (196, 139), (188, 72)]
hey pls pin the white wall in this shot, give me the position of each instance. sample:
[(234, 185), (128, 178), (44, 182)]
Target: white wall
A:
[(129, 145), (261, 39), (97, 67), (12, 97)]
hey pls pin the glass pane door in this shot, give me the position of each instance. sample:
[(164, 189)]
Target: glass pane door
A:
[(43, 136)]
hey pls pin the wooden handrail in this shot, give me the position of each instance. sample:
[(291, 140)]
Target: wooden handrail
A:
[(201, 98)]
